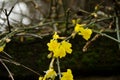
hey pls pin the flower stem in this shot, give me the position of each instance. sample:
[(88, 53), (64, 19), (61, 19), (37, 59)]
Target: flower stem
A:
[(58, 65), (51, 63)]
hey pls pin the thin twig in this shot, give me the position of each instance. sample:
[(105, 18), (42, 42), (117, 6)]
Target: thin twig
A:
[(7, 54), (8, 22), (117, 30), (116, 10), (7, 16), (30, 34), (58, 65), (7, 69), (103, 34), (18, 64), (30, 69), (39, 25)]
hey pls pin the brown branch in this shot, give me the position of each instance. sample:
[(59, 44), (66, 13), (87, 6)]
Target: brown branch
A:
[(7, 16)]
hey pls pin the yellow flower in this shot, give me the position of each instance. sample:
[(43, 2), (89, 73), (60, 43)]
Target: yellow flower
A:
[(50, 74), (86, 33), (79, 27), (55, 36), (65, 47), (59, 49), (74, 21), (59, 52), (67, 75), (40, 78), (53, 45)]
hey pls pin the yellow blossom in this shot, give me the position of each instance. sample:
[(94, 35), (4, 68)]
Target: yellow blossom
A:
[(49, 55), (59, 52), (59, 49), (79, 27), (86, 33), (74, 21), (53, 45), (67, 46), (67, 75), (50, 74), (55, 36), (40, 78)]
